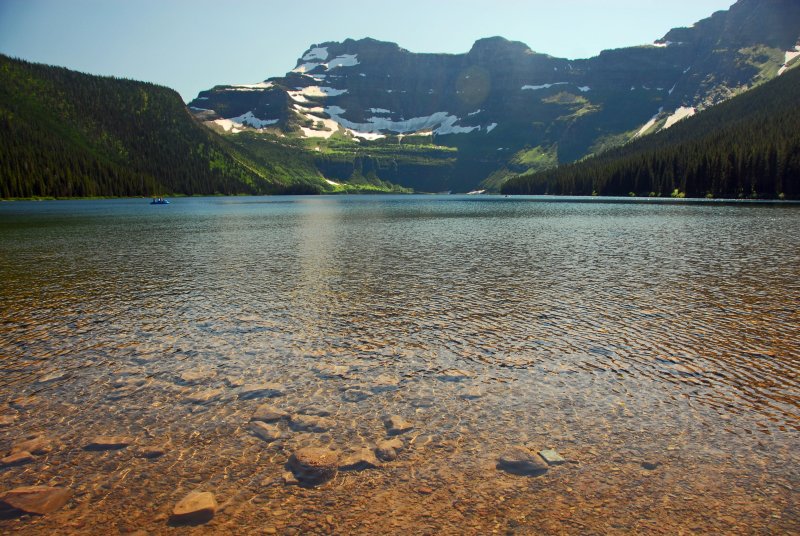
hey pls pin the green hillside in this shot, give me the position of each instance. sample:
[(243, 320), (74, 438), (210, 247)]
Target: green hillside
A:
[(68, 134), (746, 147)]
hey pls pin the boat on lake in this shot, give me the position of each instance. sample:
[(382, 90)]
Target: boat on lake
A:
[(159, 201)]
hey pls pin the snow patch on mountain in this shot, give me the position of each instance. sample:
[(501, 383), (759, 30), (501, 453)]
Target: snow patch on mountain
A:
[(306, 67), (380, 111), (439, 123), (584, 89), (681, 113), (647, 126), (491, 127), (252, 87), (345, 60), (235, 124), (476, 112), (789, 55), (316, 53), (318, 91), (545, 86)]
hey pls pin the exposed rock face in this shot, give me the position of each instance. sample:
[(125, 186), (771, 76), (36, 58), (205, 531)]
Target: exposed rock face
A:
[(34, 499), (520, 461), (500, 101), (196, 507), (314, 465)]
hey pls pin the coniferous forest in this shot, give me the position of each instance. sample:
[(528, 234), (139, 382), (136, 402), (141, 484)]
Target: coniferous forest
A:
[(68, 134), (746, 147)]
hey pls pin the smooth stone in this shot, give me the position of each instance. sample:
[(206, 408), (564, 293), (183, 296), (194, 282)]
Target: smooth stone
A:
[(387, 449), (19, 458), (205, 396), (267, 432), (650, 466), (355, 395), (268, 413), (520, 461), (109, 443), (314, 465), (261, 390), (311, 423), (396, 425), (35, 445), (360, 460), (552, 457), (34, 499), (196, 507), (197, 376)]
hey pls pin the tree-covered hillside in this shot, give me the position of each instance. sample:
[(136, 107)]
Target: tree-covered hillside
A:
[(68, 134), (748, 146)]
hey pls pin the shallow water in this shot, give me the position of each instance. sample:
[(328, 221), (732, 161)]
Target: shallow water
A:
[(654, 346)]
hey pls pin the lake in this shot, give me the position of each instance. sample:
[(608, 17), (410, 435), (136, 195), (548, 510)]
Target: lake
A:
[(653, 346)]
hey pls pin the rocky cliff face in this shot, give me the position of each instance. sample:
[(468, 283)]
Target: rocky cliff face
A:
[(506, 108)]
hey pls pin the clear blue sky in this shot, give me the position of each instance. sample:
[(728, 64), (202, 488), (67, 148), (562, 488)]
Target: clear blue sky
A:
[(191, 45)]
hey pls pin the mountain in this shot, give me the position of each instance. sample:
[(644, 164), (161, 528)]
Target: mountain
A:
[(455, 121), (67, 134), (748, 146)]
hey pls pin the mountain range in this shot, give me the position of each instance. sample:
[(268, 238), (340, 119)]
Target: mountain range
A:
[(500, 109)]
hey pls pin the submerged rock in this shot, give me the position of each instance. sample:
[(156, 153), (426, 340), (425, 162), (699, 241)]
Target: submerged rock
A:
[(360, 460), (7, 420), (267, 432), (18, 458), (205, 396), (153, 451), (396, 425), (314, 465), (311, 423), (552, 457), (261, 390), (109, 443), (520, 461), (356, 395), (36, 444), (196, 507), (196, 376), (387, 449), (53, 377), (268, 413), (34, 499)]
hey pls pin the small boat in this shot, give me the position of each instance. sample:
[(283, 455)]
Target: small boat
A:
[(159, 201)]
